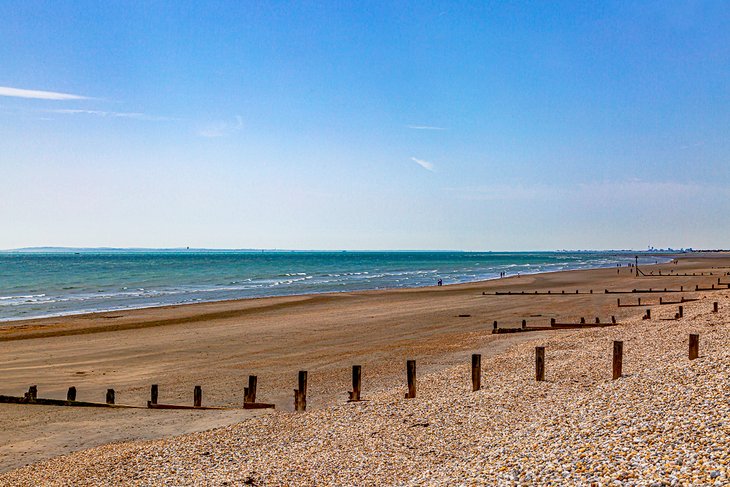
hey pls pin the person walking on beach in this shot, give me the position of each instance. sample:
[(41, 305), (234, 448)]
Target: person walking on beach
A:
[(440, 282)]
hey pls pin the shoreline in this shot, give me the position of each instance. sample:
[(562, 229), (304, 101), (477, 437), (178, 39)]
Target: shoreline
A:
[(132, 307), (217, 345), (91, 314)]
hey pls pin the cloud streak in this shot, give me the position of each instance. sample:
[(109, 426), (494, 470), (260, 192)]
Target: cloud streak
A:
[(38, 94), (424, 164), (107, 114), (425, 127)]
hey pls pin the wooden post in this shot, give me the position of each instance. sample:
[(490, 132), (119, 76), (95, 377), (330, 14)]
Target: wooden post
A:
[(495, 325), (32, 393), (250, 391), (110, 396), (648, 313), (681, 288), (613, 319), (591, 291), (71, 394), (618, 302), (618, 358), (639, 301), (153, 393), (539, 363), (714, 307), (661, 300), (476, 371), (356, 382), (300, 394), (197, 396), (582, 321), (411, 372), (694, 346), (524, 324), (552, 321), (681, 311), (598, 320)]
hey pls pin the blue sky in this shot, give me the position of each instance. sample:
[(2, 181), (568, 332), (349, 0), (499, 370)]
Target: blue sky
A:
[(393, 125)]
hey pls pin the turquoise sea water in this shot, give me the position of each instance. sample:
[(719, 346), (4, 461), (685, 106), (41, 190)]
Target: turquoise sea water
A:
[(36, 284)]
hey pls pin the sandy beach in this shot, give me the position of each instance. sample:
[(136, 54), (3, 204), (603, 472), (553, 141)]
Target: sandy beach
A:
[(217, 345)]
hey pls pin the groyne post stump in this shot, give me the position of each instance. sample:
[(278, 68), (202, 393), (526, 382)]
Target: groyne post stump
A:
[(476, 371), (154, 392), (300, 394), (110, 396), (32, 393), (694, 346), (249, 393), (197, 396), (356, 382), (539, 363), (618, 358), (714, 307), (411, 375), (681, 312), (71, 394), (524, 324)]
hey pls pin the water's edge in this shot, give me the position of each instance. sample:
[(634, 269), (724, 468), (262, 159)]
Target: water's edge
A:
[(45, 285)]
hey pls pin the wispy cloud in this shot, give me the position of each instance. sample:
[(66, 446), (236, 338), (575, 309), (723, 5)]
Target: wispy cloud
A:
[(107, 114), (425, 127), (424, 164), (221, 129), (38, 94)]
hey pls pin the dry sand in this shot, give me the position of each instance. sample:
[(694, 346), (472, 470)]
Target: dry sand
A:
[(217, 345)]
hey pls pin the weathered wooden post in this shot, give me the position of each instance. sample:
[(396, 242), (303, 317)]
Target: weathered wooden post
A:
[(154, 390), (618, 358), (539, 363), (681, 311), (648, 313), (661, 301), (639, 301), (32, 393), (582, 320), (356, 382), (476, 371), (300, 394), (552, 321), (71, 394), (613, 319), (694, 346), (714, 307), (598, 320), (524, 324), (197, 396), (411, 373), (618, 302), (249, 393), (494, 325), (110, 396)]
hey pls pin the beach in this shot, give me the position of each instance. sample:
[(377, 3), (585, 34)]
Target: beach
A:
[(217, 345)]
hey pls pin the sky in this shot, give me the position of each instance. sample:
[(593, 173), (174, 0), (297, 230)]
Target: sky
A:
[(365, 125)]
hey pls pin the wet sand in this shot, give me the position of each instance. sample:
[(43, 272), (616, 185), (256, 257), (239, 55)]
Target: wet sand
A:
[(217, 345)]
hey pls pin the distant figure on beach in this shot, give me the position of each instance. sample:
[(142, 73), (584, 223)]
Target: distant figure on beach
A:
[(440, 282)]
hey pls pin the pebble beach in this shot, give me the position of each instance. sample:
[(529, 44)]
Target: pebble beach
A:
[(666, 421)]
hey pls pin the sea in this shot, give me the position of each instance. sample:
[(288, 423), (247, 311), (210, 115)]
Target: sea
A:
[(36, 284)]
